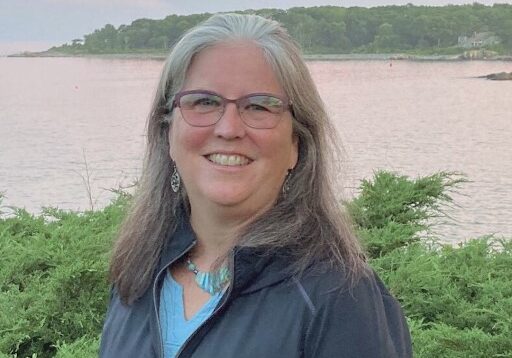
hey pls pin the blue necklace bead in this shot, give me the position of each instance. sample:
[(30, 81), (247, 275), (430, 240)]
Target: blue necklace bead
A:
[(211, 282)]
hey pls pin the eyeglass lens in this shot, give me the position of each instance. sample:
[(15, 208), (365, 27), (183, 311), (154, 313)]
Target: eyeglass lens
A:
[(205, 109)]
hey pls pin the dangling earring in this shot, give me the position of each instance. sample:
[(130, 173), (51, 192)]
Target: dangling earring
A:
[(175, 180), (286, 184)]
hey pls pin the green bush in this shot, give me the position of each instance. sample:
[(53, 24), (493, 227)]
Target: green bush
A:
[(392, 210), (82, 348), (458, 300), (53, 285)]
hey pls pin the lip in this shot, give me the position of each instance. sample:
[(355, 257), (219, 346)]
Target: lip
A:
[(227, 153)]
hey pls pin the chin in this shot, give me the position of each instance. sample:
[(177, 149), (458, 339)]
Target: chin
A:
[(241, 204), (244, 200), (230, 200)]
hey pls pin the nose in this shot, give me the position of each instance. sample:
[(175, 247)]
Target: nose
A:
[(230, 125)]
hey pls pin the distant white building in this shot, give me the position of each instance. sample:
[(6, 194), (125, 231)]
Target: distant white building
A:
[(479, 39)]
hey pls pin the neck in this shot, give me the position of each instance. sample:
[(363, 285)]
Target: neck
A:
[(216, 235)]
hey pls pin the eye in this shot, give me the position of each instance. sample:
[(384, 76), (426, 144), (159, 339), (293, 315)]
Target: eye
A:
[(255, 107), (200, 102), (207, 101), (264, 103)]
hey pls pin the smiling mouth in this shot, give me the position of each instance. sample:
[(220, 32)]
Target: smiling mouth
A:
[(228, 160)]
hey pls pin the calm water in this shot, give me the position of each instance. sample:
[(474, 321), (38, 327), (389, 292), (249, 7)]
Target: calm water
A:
[(413, 118)]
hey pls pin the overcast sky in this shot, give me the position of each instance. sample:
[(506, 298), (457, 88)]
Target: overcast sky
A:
[(39, 24)]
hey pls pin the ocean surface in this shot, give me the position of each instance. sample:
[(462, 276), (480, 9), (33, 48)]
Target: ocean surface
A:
[(72, 129)]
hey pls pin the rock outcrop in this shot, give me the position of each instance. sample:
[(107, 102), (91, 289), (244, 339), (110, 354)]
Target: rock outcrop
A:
[(500, 76)]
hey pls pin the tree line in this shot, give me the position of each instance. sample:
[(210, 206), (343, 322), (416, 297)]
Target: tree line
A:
[(327, 29)]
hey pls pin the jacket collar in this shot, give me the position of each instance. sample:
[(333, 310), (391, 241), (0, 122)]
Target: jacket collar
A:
[(253, 269), (177, 244), (257, 269)]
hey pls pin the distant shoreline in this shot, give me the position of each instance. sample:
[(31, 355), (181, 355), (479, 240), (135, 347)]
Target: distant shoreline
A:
[(308, 57), (142, 56), (399, 57)]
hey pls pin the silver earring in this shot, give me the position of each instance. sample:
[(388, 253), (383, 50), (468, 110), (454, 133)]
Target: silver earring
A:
[(175, 180), (286, 184)]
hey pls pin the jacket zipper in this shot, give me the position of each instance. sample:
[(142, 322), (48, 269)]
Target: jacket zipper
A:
[(223, 303), (161, 355)]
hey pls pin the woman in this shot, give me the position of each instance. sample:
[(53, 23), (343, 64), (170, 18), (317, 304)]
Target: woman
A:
[(236, 245)]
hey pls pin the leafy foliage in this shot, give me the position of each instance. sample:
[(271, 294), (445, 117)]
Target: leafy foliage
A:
[(392, 210), (458, 300), (53, 285), (327, 29)]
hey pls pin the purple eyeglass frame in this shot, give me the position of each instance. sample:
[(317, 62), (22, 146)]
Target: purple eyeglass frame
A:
[(176, 101)]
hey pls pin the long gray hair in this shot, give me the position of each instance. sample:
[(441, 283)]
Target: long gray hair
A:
[(308, 221)]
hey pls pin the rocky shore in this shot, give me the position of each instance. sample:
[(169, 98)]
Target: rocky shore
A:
[(500, 76)]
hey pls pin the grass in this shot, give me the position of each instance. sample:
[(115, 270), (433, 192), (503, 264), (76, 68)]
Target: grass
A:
[(458, 299)]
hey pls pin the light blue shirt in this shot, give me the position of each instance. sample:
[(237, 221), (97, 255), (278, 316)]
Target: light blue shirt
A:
[(175, 328)]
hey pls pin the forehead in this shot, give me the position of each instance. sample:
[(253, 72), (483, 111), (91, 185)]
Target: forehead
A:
[(235, 66)]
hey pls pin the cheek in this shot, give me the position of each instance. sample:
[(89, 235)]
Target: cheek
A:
[(279, 151), (185, 139), (285, 146), (192, 139)]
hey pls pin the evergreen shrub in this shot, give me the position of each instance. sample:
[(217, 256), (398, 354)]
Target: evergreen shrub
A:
[(457, 299)]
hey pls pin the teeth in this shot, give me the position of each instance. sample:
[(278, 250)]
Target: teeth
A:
[(231, 160)]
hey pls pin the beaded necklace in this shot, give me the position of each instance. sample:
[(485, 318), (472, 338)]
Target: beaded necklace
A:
[(211, 282)]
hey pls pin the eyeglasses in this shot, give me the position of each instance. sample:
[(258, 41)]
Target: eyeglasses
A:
[(204, 108)]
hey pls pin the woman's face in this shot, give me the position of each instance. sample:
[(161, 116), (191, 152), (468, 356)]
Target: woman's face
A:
[(228, 164)]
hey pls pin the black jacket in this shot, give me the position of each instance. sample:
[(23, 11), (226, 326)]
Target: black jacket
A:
[(267, 313)]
